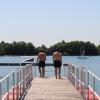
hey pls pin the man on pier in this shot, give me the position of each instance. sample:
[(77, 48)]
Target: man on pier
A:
[(41, 60), (57, 59)]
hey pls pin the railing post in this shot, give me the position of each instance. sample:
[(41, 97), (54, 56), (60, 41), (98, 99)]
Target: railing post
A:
[(31, 73), (17, 83), (65, 73), (0, 91), (68, 74), (8, 88), (80, 74), (35, 71), (76, 78), (84, 84), (13, 86), (93, 88), (20, 82), (87, 85), (23, 79), (26, 75)]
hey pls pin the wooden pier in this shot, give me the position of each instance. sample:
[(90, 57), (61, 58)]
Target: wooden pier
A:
[(26, 86), (52, 89)]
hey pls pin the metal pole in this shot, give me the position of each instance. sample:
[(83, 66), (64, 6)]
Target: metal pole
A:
[(75, 77), (87, 85), (20, 82), (13, 86), (65, 71), (0, 91), (23, 79), (84, 74), (17, 84), (35, 70), (93, 88), (31, 72), (8, 88)]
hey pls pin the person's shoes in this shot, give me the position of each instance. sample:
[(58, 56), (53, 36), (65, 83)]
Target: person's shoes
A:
[(59, 77)]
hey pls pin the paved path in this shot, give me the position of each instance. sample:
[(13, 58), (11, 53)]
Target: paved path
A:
[(52, 89)]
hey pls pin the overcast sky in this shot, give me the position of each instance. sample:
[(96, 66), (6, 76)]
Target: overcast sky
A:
[(49, 21)]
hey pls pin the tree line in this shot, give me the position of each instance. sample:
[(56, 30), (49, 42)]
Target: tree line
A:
[(72, 48)]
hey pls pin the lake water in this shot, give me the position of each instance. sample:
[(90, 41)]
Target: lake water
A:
[(92, 63)]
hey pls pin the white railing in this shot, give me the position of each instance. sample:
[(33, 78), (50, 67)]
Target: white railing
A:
[(13, 86), (87, 83)]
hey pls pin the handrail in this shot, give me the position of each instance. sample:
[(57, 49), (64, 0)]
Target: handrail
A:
[(94, 75), (6, 76), (80, 78), (14, 84)]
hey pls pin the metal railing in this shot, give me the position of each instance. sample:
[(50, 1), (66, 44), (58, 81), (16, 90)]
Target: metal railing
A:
[(87, 83), (14, 85)]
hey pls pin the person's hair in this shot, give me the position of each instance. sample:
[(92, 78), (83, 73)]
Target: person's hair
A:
[(57, 49), (41, 50)]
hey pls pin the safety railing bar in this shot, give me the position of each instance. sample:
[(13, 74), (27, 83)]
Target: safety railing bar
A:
[(73, 75), (23, 80), (20, 68), (94, 91), (82, 80), (82, 68), (78, 79), (19, 82), (6, 76), (94, 75), (3, 98), (7, 93), (0, 91), (27, 75), (97, 95), (84, 71)]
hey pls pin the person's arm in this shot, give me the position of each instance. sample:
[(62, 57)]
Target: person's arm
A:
[(61, 59), (53, 57), (38, 58), (45, 57)]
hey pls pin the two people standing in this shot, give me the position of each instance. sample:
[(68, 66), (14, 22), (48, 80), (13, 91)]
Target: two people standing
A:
[(57, 59)]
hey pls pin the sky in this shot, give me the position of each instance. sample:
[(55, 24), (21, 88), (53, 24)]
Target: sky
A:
[(49, 21)]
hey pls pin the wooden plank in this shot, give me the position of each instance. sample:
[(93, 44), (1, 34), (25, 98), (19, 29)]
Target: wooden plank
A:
[(52, 89)]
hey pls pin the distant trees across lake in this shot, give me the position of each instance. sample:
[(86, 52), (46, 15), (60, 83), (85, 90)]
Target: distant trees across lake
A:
[(73, 48)]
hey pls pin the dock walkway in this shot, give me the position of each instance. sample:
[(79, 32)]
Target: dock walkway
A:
[(52, 89)]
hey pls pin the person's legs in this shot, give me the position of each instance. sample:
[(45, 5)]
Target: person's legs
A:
[(43, 72), (56, 73), (40, 71), (59, 72)]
